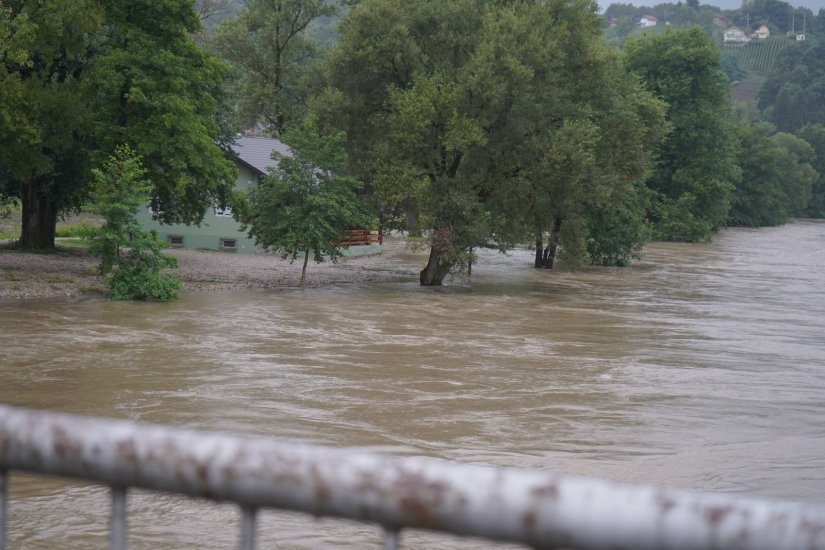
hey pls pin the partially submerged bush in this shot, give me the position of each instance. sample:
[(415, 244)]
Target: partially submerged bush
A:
[(130, 257)]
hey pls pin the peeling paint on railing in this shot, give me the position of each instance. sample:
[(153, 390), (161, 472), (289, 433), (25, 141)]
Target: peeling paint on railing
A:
[(531, 507)]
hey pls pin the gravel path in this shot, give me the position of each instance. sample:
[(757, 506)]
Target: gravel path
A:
[(71, 272)]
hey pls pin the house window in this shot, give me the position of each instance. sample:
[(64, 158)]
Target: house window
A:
[(223, 212), (228, 244), (176, 241)]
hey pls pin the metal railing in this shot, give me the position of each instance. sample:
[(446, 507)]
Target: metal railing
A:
[(535, 508)]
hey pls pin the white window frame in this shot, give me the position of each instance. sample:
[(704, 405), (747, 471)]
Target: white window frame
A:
[(223, 212)]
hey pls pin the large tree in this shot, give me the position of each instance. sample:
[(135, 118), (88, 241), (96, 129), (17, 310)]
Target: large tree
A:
[(45, 125), (268, 45), (697, 168), (98, 74), (475, 118), (777, 177), (759, 199)]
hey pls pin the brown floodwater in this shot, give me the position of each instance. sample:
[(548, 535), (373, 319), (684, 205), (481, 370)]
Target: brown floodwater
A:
[(701, 367)]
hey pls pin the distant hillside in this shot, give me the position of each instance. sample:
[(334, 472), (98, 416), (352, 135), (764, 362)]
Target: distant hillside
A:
[(813, 5), (758, 56)]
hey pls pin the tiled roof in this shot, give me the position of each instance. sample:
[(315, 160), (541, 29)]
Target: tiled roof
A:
[(256, 152)]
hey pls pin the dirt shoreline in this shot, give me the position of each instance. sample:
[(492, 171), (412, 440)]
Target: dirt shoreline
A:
[(70, 272)]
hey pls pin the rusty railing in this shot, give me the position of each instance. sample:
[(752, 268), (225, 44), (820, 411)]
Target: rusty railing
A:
[(534, 508)]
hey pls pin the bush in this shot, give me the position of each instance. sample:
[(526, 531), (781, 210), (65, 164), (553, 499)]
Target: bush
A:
[(129, 256), (82, 229)]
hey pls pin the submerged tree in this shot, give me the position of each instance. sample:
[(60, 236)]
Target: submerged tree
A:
[(304, 205), (462, 112), (697, 168), (81, 77)]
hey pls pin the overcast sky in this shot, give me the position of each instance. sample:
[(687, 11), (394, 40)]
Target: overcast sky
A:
[(814, 5)]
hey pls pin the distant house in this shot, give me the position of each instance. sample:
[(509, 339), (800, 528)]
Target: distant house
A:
[(735, 35), (648, 21), (219, 230), (720, 21), (800, 37), (762, 32)]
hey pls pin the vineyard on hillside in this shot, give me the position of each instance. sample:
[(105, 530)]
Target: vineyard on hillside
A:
[(758, 56)]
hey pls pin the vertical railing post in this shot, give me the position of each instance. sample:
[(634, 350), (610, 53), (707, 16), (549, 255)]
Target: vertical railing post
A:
[(392, 538), (117, 536), (248, 528), (4, 498)]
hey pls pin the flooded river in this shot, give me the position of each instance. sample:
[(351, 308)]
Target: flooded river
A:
[(701, 367)]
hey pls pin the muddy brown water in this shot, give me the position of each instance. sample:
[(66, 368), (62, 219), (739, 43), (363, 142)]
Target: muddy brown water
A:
[(701, 367)]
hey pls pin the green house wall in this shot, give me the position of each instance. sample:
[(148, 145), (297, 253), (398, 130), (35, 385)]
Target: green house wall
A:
[(214, 229)]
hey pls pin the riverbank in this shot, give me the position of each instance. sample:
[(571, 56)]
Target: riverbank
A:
[(70, 272)]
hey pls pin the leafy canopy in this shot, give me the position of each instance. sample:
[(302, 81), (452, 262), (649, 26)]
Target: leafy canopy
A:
[(79, 78), (270, 51), (697, 170), (304, 205), (480, 119)]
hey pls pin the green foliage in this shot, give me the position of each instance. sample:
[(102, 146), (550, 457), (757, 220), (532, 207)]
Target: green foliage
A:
[(794, 94), (7, 206), (130, 257), (732, 67), (798, 174), (270, 49), (617, 233), (80, 78), (487, 121), (759, 199), (777, 178), (815, 136), (304, 205), (138, 274), (82, 229), (44, 122), (697, 169), (157, 90)]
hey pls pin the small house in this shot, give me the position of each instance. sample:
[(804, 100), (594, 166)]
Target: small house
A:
[(648, 21), (735, 35), (762, 32), (219, 230)]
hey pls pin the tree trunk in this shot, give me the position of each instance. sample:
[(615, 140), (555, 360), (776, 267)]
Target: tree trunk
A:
[(304, 269), (436, 270), (470, 263), (413, 226), (549, 257), (539, 263), (39, 217)]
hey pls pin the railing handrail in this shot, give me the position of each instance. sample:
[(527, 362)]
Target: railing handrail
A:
[(526, 506)]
